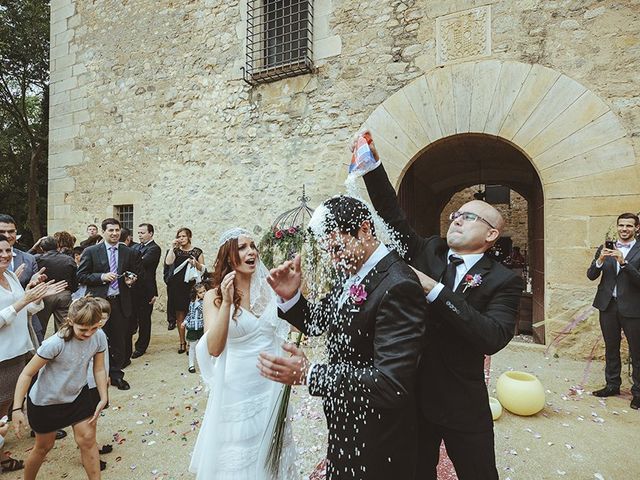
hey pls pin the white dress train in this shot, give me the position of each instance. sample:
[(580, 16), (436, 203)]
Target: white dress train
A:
[(238, 422)]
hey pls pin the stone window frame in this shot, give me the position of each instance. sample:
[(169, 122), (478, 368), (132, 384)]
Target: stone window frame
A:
[(124, 214), (279, 41)]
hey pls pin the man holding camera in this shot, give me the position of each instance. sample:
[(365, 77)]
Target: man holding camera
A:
[(618, 299), (109, 269)]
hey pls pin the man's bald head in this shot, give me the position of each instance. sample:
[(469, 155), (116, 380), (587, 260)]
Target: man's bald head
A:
[(486, 211), (475, 236)]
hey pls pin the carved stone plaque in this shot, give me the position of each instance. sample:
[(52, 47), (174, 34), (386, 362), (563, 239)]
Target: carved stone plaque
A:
[(463, 35)]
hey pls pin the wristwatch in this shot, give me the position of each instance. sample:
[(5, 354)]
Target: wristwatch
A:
[(624, 264)]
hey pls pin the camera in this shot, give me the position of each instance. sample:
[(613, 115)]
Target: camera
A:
[(610, 244)]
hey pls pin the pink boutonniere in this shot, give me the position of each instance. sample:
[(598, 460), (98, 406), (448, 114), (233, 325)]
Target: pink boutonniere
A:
[(472, 281), (357, 294)]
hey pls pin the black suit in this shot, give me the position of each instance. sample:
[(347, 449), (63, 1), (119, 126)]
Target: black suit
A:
[(93, 264), (463, 328), (619, 313), (144, 290), (368, 384)]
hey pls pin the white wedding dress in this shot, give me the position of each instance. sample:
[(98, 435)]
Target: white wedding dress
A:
[(238, 422)]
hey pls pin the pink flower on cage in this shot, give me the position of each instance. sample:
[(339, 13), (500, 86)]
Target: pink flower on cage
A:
[(278, 234), (358, 294), (292, 230)]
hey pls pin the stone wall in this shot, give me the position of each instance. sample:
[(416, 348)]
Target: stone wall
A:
[(148, 106)]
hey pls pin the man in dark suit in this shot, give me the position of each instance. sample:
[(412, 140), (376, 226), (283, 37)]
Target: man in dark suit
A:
[(618, 299), (58, 266), (375, 326), (473, 303), (146, 290), (8, 229), (109, 269)]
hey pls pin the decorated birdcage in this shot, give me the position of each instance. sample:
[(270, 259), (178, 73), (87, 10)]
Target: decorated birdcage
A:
[(287, 234)]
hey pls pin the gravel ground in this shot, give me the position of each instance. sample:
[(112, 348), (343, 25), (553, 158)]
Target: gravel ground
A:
[(153, 426)]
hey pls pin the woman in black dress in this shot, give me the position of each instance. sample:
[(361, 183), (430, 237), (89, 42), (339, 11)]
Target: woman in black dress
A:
[(178, 290)]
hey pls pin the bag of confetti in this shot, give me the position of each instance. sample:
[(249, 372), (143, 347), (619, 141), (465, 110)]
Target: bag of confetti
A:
[(362, 159)]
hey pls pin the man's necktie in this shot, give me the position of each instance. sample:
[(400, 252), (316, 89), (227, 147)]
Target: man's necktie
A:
[(449, 276), (113, 268)]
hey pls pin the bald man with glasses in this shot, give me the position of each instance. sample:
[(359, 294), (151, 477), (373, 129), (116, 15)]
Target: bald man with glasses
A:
[(472, 304)]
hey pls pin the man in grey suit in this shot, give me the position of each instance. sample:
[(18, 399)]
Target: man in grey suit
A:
[(618, 299)]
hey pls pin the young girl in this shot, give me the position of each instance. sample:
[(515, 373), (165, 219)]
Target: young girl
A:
[(60, 396), (194, 323)]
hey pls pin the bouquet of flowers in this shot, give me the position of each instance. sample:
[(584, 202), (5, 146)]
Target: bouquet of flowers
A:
[(277, 441)]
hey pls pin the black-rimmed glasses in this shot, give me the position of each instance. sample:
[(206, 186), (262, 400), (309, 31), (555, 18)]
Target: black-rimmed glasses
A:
[(468, 217)]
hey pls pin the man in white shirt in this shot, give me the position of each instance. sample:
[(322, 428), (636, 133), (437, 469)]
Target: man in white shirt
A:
[(618, 299)]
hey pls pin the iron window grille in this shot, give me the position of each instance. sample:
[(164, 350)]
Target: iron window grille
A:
[(124, 213), (279, 40)]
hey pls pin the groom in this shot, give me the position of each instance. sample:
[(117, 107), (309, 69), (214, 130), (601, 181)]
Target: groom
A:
[(375, 326)]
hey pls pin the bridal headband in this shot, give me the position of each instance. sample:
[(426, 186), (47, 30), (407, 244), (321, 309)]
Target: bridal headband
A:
[(233, 233)]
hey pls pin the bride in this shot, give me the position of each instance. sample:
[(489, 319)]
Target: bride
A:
[(240, 321)]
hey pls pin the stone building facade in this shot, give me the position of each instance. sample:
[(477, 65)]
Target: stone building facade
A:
[(149, 108)]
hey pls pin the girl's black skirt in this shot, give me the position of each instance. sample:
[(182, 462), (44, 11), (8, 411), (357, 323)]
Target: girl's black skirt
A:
[(49, 418)]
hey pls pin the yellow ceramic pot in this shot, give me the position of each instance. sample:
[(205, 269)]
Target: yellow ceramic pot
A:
[(496, 408), (520, 393)]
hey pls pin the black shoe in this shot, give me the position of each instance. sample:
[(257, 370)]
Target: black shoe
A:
[(183, 348), (635, 403), (137, 354), (607, 391), (108, 448), (103, 465), (171, 326), (126, 363), (192, 369), (120, 384)]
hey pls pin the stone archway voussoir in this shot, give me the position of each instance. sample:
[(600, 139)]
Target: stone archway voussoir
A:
[(586, 109), (563, 93), (567, 131), (601, 131), (536, 86), (611, 156)]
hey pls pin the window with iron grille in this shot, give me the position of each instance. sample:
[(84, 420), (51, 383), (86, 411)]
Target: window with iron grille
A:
[(279, 39), (124, 213)]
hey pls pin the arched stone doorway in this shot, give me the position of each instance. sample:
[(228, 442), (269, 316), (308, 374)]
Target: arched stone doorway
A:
[(582, 155), (454, 163)]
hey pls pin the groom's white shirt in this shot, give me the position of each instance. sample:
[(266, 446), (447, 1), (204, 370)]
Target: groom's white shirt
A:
[(378, 254)]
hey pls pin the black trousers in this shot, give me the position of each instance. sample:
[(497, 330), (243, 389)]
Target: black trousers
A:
[(142, 323), (612, 324), (117, 331), (472, 453)]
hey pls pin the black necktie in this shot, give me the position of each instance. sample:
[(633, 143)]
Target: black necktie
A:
[(449, 276)]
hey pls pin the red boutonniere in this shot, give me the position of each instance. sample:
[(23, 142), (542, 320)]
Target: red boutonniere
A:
[(472, 281), (357, 294)]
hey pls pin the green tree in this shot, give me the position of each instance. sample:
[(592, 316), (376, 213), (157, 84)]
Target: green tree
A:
[(24, 108)]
